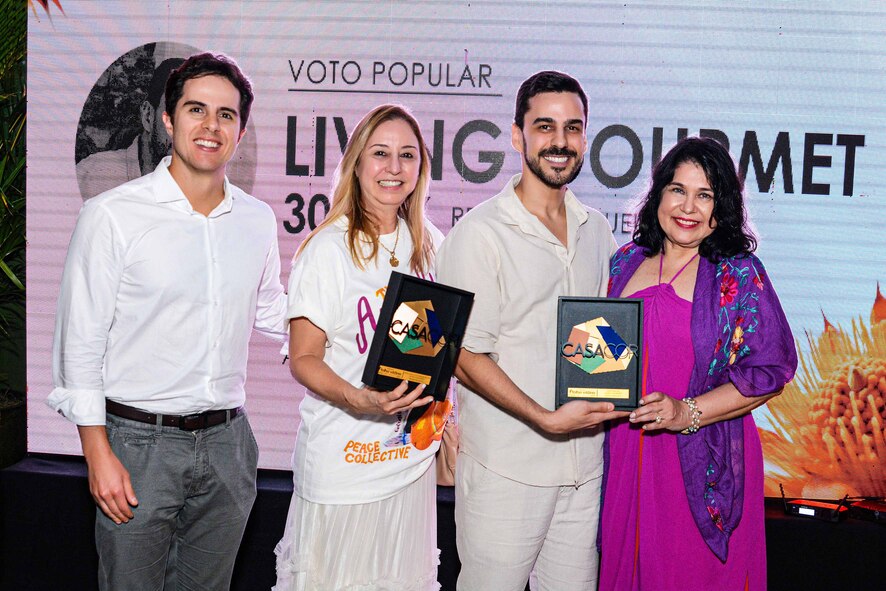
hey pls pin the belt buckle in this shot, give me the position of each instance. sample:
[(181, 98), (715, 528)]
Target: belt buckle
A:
[(192, 422)]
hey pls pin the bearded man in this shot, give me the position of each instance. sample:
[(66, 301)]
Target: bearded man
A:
[(528, 476)]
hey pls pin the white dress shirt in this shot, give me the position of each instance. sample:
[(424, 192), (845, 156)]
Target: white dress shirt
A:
[(157, 302)]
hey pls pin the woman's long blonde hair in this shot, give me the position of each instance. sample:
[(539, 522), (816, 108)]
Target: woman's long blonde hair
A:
[(347, 196)]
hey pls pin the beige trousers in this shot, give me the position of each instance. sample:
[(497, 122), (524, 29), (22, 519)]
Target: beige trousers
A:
[(508, 532)]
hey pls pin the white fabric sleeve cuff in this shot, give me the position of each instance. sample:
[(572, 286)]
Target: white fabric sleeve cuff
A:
[(81, 406)]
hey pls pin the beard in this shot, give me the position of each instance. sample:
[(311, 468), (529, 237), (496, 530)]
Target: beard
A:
[(558, 178)]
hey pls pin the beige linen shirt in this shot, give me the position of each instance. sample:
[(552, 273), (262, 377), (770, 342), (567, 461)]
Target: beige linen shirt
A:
[(517, 269)]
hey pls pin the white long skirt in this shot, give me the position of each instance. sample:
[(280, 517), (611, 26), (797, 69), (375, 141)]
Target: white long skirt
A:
[(388, 545)]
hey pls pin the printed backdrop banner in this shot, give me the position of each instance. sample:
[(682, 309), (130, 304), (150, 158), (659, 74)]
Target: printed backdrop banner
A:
[(796, 92)]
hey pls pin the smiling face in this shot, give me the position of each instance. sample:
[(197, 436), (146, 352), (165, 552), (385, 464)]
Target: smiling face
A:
[(687, 206), (553, 139), (205, 129), (388, 168)]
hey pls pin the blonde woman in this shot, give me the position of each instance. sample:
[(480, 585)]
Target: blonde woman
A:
[(363, 514)]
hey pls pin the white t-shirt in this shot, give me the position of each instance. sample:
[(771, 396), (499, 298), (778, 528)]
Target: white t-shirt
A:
[(341, 457)]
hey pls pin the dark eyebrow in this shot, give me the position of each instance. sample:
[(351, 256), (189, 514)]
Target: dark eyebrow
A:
[(194, 103), (551, 120), (679, 184)]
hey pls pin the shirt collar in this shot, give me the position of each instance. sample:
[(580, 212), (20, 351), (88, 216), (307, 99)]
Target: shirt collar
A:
[(166, 190), (516, 213)]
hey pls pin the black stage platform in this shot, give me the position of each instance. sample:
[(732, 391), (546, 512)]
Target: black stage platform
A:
[(46, 536)]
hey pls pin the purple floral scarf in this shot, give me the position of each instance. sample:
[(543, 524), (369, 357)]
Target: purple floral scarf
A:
[(741, 335)]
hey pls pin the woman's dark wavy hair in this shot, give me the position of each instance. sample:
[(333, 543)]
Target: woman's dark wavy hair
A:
[(732, 236)]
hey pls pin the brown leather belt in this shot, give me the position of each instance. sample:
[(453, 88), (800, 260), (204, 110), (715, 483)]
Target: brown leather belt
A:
[(192, 422)]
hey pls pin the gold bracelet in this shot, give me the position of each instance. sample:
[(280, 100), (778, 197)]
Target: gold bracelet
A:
[(694, 417)]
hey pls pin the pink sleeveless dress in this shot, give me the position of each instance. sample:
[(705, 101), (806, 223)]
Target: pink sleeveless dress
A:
[(649, 540)]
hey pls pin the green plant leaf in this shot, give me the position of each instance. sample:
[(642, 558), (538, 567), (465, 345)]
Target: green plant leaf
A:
[(13, 115), (11, 275)]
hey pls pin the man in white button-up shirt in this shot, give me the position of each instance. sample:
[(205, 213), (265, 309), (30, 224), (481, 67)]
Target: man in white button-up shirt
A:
[(528, 476), (165, 279)]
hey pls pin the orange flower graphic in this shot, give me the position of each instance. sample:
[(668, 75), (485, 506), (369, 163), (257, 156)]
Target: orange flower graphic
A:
[(829, 423)]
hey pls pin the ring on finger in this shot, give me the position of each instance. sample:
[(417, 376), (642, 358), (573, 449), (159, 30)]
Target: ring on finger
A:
[(658, 419)]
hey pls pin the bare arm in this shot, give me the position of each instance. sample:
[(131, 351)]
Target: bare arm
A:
[(720, 404), (307, 347), (482, 375), (109, 481)]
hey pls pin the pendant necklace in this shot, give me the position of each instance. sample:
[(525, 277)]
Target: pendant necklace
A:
[(393, 260)]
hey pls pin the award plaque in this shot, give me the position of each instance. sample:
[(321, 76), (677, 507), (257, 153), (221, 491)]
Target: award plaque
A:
[(599, 350), (418, 335)]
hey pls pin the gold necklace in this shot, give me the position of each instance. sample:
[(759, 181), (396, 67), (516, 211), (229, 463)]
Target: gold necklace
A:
[(393, 260)]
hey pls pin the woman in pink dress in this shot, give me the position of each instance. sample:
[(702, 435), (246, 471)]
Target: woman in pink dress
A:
[(683, 489)]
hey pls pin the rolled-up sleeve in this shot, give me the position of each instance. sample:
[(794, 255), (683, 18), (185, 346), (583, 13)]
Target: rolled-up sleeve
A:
[(468, 261), (86, 305), (270, 314), (316, 287)]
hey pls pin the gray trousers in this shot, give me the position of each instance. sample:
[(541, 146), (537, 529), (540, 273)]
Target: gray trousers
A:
[(195, 492)]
